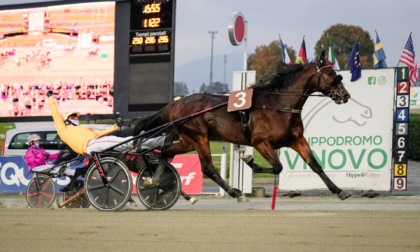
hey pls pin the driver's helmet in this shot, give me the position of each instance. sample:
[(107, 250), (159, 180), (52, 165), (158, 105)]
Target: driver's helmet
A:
[(67, 117), (32, 138)]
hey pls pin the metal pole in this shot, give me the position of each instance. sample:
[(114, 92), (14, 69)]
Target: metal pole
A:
[(222, 170), (212, 33), (245, 66), (224, 69)]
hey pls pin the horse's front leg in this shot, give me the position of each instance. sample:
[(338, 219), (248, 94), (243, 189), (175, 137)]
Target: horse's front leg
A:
[(267, 151), (301, 146)]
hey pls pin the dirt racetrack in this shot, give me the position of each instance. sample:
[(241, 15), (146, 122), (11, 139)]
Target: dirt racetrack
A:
[(219, 224)]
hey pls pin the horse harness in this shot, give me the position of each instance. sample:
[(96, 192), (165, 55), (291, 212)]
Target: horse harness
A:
[(335, 83), (245, 115), (245, 118)]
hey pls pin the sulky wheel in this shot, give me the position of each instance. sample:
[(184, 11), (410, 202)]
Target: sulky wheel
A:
[(41, 192), (164, 195), (111, 192)]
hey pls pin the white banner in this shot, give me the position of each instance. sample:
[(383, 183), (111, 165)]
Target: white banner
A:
[(352, 141), (415, 97)]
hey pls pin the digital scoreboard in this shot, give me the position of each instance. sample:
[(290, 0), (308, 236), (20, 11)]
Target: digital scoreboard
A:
[(145, 31), (401, 134), (151, 26)]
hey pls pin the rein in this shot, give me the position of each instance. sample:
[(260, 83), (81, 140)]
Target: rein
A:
[(285, 109), (305, 95), (282, 109)]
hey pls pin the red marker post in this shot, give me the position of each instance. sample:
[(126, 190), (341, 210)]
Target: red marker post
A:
[(274, 197)]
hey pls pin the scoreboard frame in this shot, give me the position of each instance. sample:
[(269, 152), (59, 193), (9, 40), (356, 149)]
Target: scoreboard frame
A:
[(401, 125), (145, 55)]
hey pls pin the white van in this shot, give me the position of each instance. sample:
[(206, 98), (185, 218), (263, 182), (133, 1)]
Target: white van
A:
[(15, 141)]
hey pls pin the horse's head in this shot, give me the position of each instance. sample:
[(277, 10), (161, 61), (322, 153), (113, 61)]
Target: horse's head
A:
[(329, 83)]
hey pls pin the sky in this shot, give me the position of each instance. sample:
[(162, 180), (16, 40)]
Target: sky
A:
[(267, 19), (292, 19)]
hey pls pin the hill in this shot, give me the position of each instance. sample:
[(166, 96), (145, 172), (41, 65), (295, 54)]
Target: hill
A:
[(197, 72)]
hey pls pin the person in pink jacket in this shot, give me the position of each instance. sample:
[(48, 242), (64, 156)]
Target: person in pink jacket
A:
[(36, 155)]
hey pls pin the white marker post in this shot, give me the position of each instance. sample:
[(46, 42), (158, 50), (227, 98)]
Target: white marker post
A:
[(240, 177)]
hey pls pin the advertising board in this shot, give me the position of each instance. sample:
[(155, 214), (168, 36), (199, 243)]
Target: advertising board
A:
[(352, 141), (15, 174)]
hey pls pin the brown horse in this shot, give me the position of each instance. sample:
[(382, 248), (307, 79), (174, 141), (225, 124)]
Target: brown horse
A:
[(275, 120)]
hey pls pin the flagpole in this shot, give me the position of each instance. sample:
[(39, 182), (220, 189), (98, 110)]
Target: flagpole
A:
[(357, 40)]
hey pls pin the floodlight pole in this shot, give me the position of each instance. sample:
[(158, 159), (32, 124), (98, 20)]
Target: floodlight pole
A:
[(212, 33)]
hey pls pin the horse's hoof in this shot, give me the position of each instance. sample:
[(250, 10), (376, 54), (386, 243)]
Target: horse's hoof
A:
[(148, 182), (344, 195), (243, 199), (193, 200), (246, 158)]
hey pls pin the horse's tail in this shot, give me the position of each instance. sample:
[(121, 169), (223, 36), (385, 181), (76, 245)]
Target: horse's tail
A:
[(153, 121)]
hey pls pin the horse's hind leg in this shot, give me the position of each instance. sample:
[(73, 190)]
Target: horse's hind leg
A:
[(301, 146), (187, 197), (207, 167)]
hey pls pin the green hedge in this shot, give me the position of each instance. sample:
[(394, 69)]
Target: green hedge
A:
[(414, 141)]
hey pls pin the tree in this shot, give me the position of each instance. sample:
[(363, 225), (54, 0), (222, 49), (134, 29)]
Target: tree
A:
[(217, 88), (266, 58), (343, 38), (180, 89), (203, 88)]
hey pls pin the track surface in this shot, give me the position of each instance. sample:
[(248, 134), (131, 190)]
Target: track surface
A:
[(309, 223), (313, 222)]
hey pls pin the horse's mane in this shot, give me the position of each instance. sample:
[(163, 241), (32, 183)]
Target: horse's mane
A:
[(284, 76)]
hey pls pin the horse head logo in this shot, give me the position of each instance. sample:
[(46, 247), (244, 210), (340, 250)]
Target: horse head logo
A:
[(361, 114), (358, 115)]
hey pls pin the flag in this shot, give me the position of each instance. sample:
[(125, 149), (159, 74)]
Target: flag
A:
[(301, 59), (284, 54), (332, 61), (354, 61), (379, 56), (408, 57)]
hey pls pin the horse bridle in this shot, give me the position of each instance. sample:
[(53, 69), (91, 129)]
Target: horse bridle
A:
[(336, 83)]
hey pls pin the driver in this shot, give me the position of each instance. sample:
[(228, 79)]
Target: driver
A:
[(84, 140)]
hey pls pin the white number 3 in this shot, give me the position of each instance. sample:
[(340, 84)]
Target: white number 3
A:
[(241, 99)]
